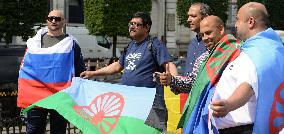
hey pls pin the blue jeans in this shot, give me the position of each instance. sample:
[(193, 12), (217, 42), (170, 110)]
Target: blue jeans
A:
[(37, 120)]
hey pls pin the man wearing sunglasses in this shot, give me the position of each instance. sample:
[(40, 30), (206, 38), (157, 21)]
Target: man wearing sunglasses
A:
[(50, 42), (139, 64)]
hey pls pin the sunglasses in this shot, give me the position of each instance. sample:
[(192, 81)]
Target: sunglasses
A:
[(130, 24), (51, 18)]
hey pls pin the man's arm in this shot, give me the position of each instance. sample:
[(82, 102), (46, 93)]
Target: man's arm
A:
[(240, 97), (111, 69), (78, 60)]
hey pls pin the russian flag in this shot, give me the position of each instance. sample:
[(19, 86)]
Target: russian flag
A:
[(44, 71)]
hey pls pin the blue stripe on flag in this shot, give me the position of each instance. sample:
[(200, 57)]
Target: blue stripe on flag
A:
[(198, 121), (137, 99), (44, 67)]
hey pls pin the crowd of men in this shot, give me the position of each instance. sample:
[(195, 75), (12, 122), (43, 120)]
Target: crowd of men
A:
[(233, 82)]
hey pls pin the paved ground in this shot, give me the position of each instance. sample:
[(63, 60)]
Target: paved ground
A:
[(17, 130)]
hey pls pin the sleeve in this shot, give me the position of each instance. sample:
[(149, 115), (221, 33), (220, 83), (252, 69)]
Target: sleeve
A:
[(161, 52), (246, 72), (78, 60), (181, 84), (122, 58)]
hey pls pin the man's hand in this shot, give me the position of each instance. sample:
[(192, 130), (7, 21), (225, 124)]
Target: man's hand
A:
[(87, 74), (165, 77), (220, 108), (240, 97)]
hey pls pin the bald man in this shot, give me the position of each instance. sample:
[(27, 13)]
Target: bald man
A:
[(206, 73), (51, 39), (247, 97), (212, 31)]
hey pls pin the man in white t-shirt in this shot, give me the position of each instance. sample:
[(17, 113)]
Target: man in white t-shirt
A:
[(240, 73), (247, 84)]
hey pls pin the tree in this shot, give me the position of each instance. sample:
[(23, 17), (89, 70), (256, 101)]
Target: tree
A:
[(274, 9), (18, 17), (219, 8), (111, 17)]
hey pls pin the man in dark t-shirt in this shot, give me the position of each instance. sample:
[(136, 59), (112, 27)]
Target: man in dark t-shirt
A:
[(139, 61)]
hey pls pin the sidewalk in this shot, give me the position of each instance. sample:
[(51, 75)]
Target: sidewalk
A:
[(22, 130)]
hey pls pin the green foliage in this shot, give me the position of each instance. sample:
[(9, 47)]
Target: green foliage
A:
[(274, 9), (182, 10), (219, 8), (17, 17), (111, 17)]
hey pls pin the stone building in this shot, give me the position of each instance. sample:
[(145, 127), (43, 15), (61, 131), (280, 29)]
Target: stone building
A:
[(163, 15)]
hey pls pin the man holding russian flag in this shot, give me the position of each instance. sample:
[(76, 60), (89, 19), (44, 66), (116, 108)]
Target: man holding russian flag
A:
[(52, 58)]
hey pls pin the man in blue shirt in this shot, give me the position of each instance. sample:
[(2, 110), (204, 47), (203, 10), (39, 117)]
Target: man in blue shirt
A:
[(196, 47), (139, 61)]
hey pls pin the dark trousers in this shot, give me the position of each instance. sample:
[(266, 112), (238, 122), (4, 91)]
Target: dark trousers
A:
[(37, 120), (244, 129)]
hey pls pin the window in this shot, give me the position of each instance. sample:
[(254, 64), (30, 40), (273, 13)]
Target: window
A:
[(102, 41), (76, 14)]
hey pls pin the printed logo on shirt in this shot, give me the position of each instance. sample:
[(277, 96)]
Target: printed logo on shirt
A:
[(131, 60), (231, 67)]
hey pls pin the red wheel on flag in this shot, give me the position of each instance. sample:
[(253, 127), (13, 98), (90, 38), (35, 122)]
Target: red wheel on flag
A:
[(104, 111), (276, 117)]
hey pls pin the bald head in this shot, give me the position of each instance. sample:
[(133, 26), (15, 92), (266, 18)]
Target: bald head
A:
[(257, 11), (55, 23), (213, 20), (212, 31), (57, 13), (252, 18)]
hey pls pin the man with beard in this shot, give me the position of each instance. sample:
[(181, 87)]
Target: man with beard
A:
[(143, 56)]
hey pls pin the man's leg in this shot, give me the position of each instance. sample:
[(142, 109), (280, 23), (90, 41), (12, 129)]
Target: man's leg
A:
[(36, 121), (58, 124)]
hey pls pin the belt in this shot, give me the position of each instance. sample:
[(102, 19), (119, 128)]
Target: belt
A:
[(237, 130)]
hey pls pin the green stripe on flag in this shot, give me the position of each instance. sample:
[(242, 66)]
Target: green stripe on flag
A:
[(63, 104), (130, 125), (211, 69)]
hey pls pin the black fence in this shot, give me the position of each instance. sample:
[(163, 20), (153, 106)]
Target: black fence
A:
[(10, 119)]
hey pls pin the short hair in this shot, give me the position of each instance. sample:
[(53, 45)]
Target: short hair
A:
[(146, 19), (205, 10)]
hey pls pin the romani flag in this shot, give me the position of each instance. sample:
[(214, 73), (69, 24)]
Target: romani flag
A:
[(266, 51), (195, 115), (97, 107), (44, 71)]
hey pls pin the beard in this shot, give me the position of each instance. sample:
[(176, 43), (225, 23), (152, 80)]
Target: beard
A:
[(54, 28)]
